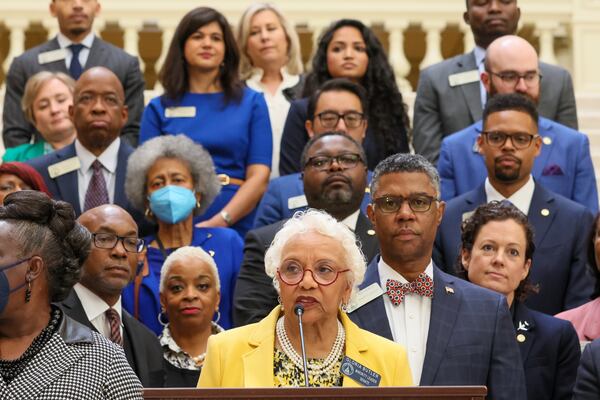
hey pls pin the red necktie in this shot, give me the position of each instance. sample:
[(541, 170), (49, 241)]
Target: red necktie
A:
[(115, 326), (422, 286), (96, 194)]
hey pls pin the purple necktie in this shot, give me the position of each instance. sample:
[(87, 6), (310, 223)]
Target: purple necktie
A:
[(96, 194), (115, 326)]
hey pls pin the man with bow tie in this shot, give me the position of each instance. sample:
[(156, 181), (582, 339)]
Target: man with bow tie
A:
[(455, 333)]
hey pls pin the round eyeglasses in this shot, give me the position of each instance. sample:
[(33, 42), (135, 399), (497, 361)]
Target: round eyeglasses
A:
[(292, 274), (131, 244)]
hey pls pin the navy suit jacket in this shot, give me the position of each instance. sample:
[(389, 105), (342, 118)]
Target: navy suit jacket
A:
[(559, 260), (471, 338), (550, 352), (587, 385), (66, 188), (564, 165), (275, 205)]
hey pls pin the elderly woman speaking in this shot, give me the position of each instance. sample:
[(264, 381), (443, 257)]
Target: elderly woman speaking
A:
[(316, 266)]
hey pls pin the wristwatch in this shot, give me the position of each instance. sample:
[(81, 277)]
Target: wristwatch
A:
[(226, 217)]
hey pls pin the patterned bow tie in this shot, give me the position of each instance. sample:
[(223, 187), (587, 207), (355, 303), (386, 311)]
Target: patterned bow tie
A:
[(423, 286)]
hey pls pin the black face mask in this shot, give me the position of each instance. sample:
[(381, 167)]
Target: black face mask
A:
[(5, 289)]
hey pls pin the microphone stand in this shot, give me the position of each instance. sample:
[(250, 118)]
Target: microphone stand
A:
[(299, 310)]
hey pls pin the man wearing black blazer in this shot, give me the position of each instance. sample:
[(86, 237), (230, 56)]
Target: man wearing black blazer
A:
[(75, 20), (110, 267), (335, 177)]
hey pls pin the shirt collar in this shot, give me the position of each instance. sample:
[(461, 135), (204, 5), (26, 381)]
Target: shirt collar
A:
[(93, 305), (351, 220), (520, 199), (254, 82), (479, 53), (64, 41), (108, 158), (386, 272)]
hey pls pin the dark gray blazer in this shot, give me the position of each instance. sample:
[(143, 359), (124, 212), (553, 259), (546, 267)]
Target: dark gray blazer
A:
[(17, 130), (441, 110)]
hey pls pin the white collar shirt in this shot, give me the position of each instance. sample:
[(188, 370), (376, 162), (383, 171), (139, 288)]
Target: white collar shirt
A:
[(520, 199), (479, 53), (108, 159), (64, 43), (95, 309), (351, 220), (409, 321)]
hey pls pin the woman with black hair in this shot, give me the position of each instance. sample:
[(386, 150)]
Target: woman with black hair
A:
[(205, 100), (349, 49), (44, 354)]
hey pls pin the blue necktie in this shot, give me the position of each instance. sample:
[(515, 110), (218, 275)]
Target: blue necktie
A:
[(75, 68)]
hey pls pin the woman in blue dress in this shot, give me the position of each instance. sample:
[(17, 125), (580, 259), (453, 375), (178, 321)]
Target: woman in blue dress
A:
[(205, 100), (172, 179)]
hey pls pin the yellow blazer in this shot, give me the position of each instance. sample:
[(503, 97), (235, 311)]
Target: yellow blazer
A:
[(243, 357)]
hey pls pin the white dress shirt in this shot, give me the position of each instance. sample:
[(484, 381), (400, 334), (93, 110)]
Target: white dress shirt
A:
[(351, 220), (64, 43), (479, 53), (109, 169), (520, 199), (409, 321), (95, 308), (278, 107)]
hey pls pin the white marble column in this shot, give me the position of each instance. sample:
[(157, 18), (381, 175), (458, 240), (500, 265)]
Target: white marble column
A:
[(433, 54), (546, 32), (398, 58)]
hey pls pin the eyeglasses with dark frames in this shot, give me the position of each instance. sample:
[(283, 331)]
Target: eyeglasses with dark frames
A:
[(131, 244), (520, 140), (531, 78), (322, 163), (391, 204), (330, 119), (292, 274)]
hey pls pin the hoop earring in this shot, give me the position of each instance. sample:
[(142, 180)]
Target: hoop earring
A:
[(160, 318), (28, 289), (216, 321), (148, 213), (198, 204)]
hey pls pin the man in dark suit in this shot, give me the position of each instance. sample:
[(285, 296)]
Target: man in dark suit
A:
[(564, 165), (91, 171), (285, 194), (509, 144), (74, 49), (96, 300), (335, 178), (455, 333), (450, 95), (587, 385)]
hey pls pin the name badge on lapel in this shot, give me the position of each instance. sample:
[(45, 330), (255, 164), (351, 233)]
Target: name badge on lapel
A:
[(64, 167), (180, 112), (297, 202), (359, 373), (365, 296), (462, 78), (51, 56)]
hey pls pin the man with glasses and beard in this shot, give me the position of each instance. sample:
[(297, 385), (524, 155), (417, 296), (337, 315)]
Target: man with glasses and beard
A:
[(564, 165), (509, 143), (334, 174)]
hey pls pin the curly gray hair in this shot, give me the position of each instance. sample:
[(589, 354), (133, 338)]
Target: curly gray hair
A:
[(179, 147)]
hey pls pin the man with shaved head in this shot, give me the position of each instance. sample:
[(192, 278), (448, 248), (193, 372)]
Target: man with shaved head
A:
[(96, 300), (91, 171), (564, 165), (451, 95)]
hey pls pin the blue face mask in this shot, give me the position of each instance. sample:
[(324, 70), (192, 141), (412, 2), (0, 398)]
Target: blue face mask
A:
[(5, 289), (172, 204)]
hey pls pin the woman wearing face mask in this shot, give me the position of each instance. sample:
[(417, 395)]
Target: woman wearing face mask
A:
[(172, 179), (45, 103)]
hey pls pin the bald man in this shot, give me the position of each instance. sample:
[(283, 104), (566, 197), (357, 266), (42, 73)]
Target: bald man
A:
[(564, 165), (91, 171), (96, 300)]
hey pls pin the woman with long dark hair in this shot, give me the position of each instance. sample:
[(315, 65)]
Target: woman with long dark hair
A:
[(349, 49), (205, 100)]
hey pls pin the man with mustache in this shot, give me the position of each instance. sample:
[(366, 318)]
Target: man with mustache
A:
[(74, 49), (564, 165), (451, 96), (455, 333), (334, 173), (509, 143), (96, 300)]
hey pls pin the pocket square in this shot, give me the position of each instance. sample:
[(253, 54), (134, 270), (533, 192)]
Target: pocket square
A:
[(552, 170)]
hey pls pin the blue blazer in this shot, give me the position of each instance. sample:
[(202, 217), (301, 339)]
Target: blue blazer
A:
[(66, 188), (471, 339), (564, 165), (550, 352), (275, 204), (559, 261), (587, 384)]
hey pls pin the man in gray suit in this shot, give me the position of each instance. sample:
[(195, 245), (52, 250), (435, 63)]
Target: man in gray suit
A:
[(73, 50), (450, 95)]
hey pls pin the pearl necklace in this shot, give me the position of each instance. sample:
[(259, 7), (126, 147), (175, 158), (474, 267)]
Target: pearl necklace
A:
[(328, 362)]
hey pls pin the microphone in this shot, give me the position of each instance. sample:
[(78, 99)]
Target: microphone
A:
[(299, 310)]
